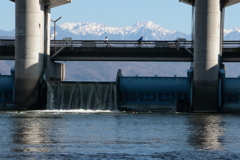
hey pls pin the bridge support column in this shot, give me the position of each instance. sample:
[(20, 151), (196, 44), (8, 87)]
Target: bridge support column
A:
[(32, 49), (52, 70), (29, 51), (206, 55)]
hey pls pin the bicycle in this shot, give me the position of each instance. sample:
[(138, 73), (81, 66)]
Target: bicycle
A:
[(108, 45), (140, 45)]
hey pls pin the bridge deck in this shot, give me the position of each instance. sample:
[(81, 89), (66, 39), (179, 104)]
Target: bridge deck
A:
[(123, 54), (164, 51)]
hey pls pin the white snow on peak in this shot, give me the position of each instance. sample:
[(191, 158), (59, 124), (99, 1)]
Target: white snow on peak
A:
[(235, 29), (91, 28), (148, 29), (69, 26), (85, 28), (226, 31), (152, 26)]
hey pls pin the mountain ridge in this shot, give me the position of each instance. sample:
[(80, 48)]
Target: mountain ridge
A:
[(97, 31), (148, 29)]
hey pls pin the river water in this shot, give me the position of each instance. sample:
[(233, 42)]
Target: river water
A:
[(118, 135)]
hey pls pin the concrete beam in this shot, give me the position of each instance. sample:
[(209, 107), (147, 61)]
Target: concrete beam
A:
[(225, 3), (53, 3), (56, 3), (190, 2), (230, 2)]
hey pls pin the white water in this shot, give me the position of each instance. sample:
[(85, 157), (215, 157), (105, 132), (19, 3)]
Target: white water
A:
[(80, 95)]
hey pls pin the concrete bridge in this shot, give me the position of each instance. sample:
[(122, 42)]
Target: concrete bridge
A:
[(96, 50), (33, 56)]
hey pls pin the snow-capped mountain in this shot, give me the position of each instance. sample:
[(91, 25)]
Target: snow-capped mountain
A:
[(96, 31), (232, 34), (88, 31)]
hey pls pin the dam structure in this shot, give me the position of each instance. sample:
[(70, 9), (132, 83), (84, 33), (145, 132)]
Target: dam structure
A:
[(209, 16), (37, 82)]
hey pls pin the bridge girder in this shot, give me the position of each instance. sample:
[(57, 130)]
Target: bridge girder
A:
[(54, 3), (225, 3)]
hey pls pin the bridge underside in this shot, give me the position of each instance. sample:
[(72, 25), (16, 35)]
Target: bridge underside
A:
[(124, 54), (226, 3), (54, 3)]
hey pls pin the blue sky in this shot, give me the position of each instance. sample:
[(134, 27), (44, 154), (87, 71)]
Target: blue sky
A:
[(169, 14)]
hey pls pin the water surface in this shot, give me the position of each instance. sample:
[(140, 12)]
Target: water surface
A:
[(118, 135)]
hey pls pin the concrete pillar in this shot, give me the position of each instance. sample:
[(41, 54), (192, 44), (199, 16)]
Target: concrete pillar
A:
[(206, 55), (47, 60), (52, 70), (29, 51), (42, 35)]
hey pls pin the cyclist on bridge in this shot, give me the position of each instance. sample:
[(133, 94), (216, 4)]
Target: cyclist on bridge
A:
[(106, 41), (140, 40)]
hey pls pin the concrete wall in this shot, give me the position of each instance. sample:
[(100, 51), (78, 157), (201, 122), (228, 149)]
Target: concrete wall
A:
[(57, 72)]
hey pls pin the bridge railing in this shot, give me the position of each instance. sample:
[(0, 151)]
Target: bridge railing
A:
[(150, 44), (231, 44), (7, 42), (123, 43), (126, 43)]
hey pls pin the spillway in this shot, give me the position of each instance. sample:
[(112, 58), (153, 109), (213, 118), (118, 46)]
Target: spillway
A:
[(126, 93), (81, 95)]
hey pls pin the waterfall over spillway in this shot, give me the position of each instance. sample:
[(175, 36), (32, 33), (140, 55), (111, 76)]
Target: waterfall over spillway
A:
[(81, 95)]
